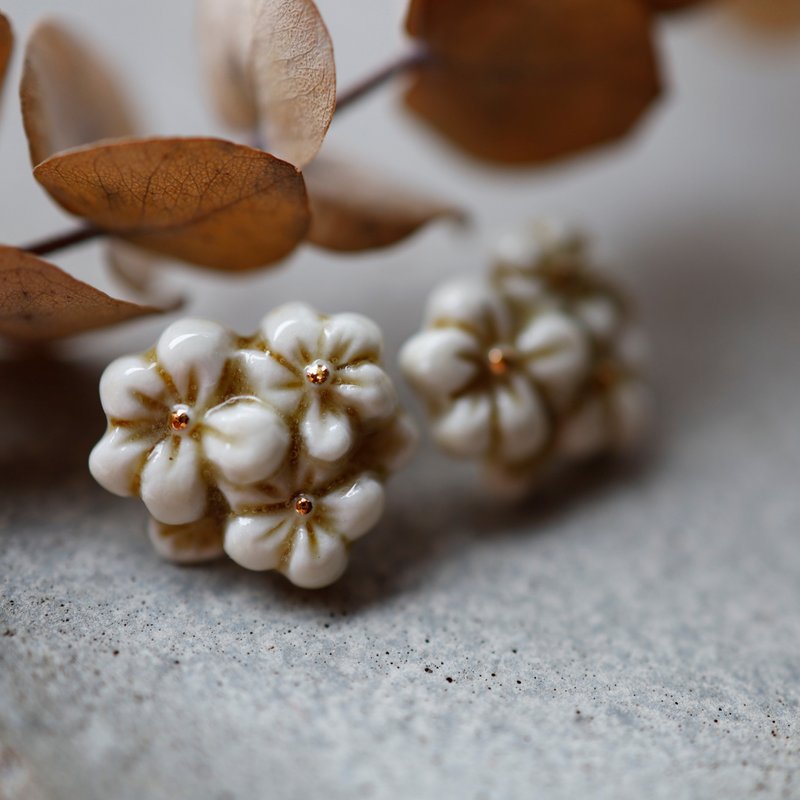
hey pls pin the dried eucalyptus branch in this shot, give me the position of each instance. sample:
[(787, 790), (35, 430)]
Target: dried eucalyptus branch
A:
[(349, 97), (62, 241)]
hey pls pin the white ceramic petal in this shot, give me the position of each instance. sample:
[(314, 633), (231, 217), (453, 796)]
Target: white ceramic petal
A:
[(586, 432), (293, 331), (556, 353), (245, 440), (472, 304), (542, 241), (131, 389), (193, 353), (117, 459), (350, 337), (523, 290), (464, 429), (258, 542), (600, 315), (523, 426), (327, 432), (352, 509), (243, 498), (270, 380), (316, 559), (518, 250), (192, 543), (366, 390), (441, 361), (172, 484)]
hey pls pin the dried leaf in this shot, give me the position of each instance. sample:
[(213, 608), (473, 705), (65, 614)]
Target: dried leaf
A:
[(352, 209), (206, 201), (69, 95), (138, 271), (6, 46), (527, 81), (39, 302), (224, 30), (673, 5), (270, 62), (769, 16)]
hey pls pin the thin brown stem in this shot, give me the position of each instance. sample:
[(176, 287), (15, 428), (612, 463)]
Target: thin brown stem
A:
[(401, 65), (62, 240)]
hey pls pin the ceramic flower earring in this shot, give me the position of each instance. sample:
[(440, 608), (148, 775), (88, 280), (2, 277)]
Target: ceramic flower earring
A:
[(537, 365), (273, 449)]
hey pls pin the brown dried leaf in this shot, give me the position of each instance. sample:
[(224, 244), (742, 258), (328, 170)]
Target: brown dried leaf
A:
[(6, 46), (39, 302), (526, 81), (769, 16), (352, 209), (270, 62), (69, 95), (206, 201), (673, 5)]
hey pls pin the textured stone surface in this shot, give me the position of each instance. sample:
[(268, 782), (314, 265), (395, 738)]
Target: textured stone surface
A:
[(634, 632)]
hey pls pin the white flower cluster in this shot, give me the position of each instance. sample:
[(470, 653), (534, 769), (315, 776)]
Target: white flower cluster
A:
[(538, 365), (272, 449)]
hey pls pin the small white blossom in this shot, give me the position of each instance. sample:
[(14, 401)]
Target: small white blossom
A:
[(539, 365), (616, 409), (489, 385), (305, 531), (167, 417), (546, 265), (324, 371)]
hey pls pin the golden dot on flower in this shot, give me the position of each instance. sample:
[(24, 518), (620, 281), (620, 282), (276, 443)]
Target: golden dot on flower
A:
[(303, 505), (179, 419), (499, 360), (318, 373)]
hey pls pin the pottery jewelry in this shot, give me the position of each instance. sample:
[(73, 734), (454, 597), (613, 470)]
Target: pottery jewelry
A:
[(536, 365), (273, 449)]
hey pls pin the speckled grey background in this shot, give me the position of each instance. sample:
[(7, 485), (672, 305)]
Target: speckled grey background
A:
[(634, 632)]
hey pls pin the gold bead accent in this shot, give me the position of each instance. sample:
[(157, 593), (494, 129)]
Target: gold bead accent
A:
[(303, 505), (499, 360), (317, 373), (179, 420)]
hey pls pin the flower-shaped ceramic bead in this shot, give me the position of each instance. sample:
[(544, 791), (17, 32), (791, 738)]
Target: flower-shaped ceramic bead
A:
[(546, 265), (616, 408), (325, 372), (272, 448), (303, 530), (539, 365), (491, 386), (170, 421)]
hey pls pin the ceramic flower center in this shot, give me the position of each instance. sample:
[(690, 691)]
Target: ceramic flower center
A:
[(179, 419), (318, 373), (500, 359), (303, 505)]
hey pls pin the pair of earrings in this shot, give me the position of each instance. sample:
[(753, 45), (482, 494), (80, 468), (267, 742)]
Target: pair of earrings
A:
[(275, 448)]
